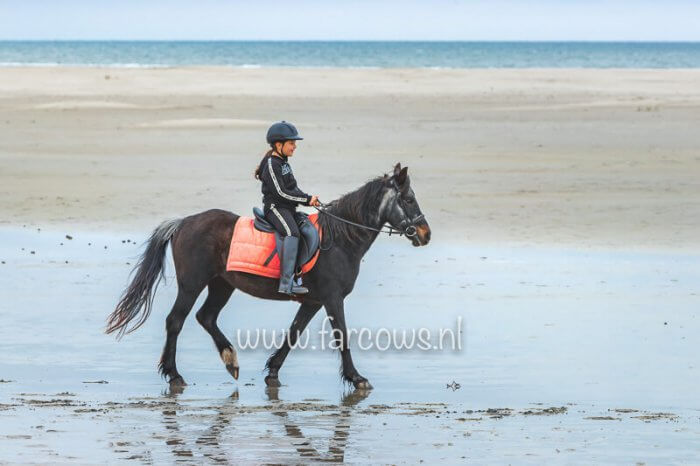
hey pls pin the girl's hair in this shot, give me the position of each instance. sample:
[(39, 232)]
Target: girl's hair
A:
[(257, 169)]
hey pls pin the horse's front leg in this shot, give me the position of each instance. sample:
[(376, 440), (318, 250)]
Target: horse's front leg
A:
[(304, 315), (336, 313)]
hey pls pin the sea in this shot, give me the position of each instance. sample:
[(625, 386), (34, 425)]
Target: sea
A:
[(349, 54)]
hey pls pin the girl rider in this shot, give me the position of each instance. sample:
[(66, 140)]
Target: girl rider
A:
[(281, 195)]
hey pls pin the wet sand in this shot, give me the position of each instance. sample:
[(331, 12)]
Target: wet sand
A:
[(225, 429), (567, 357), (565, 209)]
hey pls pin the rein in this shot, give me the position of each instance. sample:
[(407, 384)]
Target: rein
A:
[(409, 231)]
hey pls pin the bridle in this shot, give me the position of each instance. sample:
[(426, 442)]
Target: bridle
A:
[(406, 227)]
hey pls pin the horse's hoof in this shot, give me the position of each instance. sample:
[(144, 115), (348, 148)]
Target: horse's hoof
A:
[(233, 370), (177, 382), (363, 385), (273, 393), (272, 382), (230, 358)]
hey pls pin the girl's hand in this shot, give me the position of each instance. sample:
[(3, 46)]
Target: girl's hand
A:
[(314, 201)]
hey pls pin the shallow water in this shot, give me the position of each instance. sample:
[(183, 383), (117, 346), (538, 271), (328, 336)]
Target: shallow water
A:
[(566, 356)]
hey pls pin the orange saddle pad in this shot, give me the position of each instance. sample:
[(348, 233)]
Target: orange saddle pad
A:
[(250, 248)]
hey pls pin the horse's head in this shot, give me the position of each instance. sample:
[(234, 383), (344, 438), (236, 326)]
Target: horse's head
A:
[(400, 208)]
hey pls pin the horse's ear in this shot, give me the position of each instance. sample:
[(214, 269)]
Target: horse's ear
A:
[(402, 176), (397, 169)]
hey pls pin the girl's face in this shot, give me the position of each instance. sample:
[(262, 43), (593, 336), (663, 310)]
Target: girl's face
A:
[(287, 148)]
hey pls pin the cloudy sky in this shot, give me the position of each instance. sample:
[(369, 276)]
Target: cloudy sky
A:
[(352, 20)]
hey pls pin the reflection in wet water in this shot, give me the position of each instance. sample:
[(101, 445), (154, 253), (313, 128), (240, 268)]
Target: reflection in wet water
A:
[(211, 442), (341, 432), (181, 428), (175, 440)]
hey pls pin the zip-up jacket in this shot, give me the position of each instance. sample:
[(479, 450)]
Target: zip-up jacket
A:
[(278, 184)]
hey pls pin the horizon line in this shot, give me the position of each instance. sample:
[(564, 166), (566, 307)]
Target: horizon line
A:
[(495, 41)]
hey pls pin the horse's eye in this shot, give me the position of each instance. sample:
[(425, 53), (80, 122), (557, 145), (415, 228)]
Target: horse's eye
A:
[(408, 200)]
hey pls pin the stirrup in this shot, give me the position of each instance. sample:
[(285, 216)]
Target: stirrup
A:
[(296, 290), (297, 286)]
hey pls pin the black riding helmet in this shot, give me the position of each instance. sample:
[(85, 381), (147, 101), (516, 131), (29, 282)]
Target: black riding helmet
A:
[(282, 131)]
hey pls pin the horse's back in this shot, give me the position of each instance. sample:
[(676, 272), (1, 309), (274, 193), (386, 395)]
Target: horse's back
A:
[(213, 221), (205, 237)]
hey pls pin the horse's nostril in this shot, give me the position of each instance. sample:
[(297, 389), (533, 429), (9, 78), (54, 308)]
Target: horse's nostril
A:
[(424, 233)]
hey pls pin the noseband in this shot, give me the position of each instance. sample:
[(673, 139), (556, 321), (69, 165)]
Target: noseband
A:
[(410, 229)]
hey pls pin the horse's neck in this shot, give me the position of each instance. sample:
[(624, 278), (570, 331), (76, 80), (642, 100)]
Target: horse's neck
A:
[(373, 220), (359, 248), (362, 248)]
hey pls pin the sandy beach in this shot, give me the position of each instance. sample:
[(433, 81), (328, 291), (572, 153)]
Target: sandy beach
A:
[(565, 211), (582, 158)]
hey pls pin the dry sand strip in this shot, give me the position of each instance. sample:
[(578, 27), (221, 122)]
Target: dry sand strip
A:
[(575, 158)]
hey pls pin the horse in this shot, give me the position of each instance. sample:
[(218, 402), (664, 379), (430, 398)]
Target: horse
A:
[(200, 245)]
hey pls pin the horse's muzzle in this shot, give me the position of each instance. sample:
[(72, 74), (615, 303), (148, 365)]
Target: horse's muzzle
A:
[(422, 236)]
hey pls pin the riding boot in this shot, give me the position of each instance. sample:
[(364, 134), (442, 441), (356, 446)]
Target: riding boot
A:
[(290, 246)]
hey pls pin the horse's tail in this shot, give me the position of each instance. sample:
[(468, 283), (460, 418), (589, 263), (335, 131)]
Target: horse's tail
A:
[(137, 299)]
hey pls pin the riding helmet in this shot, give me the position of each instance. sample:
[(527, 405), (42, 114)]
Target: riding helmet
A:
[(282, 131)]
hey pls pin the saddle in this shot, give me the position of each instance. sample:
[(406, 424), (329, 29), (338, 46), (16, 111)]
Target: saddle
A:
[(255, 245)]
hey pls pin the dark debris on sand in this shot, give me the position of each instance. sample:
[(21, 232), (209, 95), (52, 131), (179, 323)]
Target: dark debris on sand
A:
[(63, 402), (647, 417), (545, 411)]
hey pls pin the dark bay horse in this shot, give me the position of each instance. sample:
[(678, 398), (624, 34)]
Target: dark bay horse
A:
[(200, 246)]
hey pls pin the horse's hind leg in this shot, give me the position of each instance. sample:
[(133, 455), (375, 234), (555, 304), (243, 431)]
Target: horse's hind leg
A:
[(219, 293), (173, 324)]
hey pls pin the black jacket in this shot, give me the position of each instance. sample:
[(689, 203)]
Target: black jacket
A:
[(278, 184)]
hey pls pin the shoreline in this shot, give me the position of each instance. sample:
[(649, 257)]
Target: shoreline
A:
[(157, 66), (47, 242)]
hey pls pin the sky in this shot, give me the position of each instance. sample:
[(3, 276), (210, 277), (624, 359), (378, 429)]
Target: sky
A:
[(587, 20)]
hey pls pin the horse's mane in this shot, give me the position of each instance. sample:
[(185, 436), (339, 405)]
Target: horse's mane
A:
[(359, 206)]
